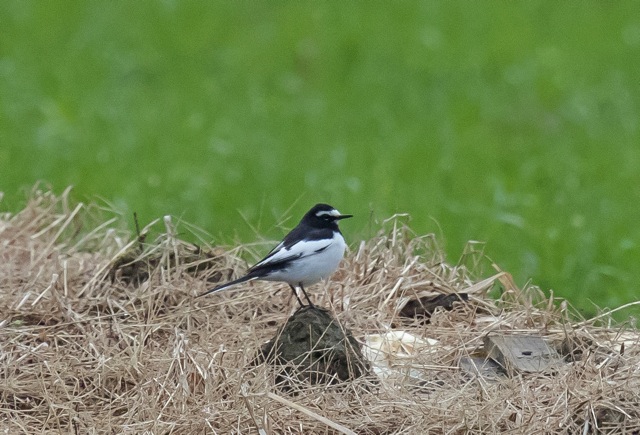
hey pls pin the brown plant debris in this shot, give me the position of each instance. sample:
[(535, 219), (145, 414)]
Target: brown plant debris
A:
[(89, 348), (423, 308), (134, 265)]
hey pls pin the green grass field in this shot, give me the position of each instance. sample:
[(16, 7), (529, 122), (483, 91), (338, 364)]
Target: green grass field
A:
[(511, 123)]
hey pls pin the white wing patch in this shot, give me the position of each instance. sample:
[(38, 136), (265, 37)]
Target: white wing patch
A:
[(298, 250), (304, 263)]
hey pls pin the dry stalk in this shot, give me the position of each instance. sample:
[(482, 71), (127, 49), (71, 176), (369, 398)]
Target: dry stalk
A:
[(80, 353)]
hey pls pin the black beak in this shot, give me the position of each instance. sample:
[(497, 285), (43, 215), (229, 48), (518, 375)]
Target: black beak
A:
[(343, 216)]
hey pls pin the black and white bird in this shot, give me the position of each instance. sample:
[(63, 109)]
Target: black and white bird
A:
[(311, 252)]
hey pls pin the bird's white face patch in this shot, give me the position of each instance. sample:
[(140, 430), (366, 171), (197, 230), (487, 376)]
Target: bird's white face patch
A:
[(334, 213)]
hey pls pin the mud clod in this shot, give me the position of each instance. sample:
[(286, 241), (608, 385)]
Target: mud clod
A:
[(313, 346)]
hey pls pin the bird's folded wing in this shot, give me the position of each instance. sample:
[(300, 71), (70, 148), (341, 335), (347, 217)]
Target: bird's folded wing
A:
[(281, 255)]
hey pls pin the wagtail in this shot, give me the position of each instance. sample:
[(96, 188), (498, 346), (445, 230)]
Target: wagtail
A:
[(311, 252)]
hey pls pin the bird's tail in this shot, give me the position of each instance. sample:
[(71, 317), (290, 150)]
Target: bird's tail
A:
[(228, 284)]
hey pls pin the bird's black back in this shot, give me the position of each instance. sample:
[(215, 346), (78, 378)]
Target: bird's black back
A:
[(310, 227)]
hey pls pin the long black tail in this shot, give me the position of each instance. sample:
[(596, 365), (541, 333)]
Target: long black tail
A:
[(228, 284)]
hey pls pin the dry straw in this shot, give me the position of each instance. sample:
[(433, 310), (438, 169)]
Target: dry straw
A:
[(86, 347)]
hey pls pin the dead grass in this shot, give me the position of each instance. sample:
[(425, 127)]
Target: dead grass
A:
[(85, 348)]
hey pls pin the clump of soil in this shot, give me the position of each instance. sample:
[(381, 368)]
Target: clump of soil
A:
[(313, 346)]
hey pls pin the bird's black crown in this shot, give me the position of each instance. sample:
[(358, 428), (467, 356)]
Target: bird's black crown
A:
[(323, 216)]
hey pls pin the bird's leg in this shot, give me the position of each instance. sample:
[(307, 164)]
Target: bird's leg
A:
[(295, 293), (306, 295)]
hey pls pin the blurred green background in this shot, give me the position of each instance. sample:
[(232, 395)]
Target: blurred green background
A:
[(514, 123)]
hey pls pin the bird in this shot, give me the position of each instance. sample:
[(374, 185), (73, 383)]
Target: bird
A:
[(308, 254)]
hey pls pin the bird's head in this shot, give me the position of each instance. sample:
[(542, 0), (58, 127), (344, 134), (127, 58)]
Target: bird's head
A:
[(323, 216)]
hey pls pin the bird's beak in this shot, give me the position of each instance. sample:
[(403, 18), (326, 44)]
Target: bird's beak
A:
[(343, 216)]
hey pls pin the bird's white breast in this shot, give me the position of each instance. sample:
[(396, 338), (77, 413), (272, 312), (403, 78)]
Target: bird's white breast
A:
[(318, 260)]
